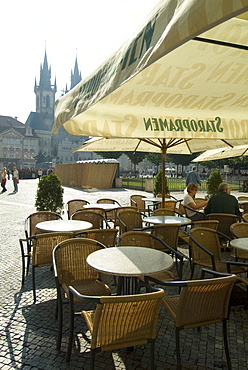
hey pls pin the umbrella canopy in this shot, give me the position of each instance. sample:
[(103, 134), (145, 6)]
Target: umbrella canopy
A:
[(222, 153), (181, 77)]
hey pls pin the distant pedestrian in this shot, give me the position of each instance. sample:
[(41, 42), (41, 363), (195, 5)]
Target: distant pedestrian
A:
[(40, 173), (193, 176), (15, 178), (4, 179)]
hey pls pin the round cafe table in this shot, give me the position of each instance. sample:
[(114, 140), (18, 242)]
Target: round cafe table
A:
[(240, 243), (104, 206), (63, 225), (129, 262), (158, 220)]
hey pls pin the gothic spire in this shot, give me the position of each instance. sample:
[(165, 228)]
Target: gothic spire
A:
[(76, 75)]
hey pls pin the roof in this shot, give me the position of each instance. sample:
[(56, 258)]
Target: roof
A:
[(7, 123), (34, 121)]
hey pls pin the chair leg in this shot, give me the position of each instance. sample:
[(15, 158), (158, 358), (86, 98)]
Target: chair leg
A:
[(152, 354), (179, 366), (33, 282), (60, 319), (228, 359), (92, 358), (71, 328)]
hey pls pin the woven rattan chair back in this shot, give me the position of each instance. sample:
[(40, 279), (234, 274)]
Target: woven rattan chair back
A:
[(104, 236), (167, 233), (135, 317), (207, 238), (211, 224), (96, 218), (136, 239), (111, 214), (169, 204), (243, 198), (71, 269), (137, 201), (240, 230), (164, 212), (43, 245), (70, 259), (74, 205), (129, 220), (225, 221), (201, 303), (33, 219), (245, 217)]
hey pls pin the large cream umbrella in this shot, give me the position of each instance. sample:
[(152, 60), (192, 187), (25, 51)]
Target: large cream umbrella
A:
[(100, 144), (222, 153), (182, 76)]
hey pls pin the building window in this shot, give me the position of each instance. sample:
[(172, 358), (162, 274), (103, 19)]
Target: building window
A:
[(48, 101)]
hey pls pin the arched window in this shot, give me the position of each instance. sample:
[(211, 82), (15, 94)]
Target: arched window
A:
[(48, 101)]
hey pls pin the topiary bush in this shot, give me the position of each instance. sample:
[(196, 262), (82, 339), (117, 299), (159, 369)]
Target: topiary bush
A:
[(49, 195), (157, 185), (214, 180)]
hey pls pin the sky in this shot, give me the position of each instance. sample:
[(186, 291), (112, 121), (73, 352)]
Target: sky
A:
[(90, 29)]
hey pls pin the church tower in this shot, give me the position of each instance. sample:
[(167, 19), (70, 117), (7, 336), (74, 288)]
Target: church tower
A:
[(75, 76), (45, 95)]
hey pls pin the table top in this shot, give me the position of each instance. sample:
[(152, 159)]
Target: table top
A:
[(105, 206), (129, 261), (167, 220), (240, 243), (158, 199), (63, 225)]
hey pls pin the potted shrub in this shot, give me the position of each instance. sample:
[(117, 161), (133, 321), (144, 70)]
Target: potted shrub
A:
[(49, 195), (213, 182), (157, 186)]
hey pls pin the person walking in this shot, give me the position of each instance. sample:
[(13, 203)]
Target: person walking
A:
[(193, 177), (15, 178), (4, 179)]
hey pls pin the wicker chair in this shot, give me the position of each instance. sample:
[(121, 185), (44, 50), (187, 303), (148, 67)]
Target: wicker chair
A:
[(240, 230), (119, 321), (111, 214), (205, 251), (200, 303), (225, 221), (245, 217), (97, 219), (70, 268), (41, 254), (183, 236), (74, 205), (147, 240), (169, 204), (165, 212), (30, 229), (105, 236), (137, 201), (129, 220)]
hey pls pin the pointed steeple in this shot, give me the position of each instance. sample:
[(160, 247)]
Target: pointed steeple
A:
[(45, 74), (76, 75)]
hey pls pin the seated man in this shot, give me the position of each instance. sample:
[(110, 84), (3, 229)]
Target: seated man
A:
[(190, 202), (223, 202)]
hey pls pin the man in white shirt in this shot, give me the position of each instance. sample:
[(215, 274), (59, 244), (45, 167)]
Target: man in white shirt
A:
[(15, 178)]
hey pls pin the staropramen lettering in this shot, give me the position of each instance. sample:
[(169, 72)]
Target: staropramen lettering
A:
[(159, 124)]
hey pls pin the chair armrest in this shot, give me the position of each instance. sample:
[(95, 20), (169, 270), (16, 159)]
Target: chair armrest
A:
[(214, 273), (81, 297), (133, 202), (179, 284), (195, 210), (122, 223), (235, 263)]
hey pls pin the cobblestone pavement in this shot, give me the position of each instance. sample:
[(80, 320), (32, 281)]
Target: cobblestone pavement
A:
[(28, 331)]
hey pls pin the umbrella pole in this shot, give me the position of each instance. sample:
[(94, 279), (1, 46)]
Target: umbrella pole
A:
[(163, 176)]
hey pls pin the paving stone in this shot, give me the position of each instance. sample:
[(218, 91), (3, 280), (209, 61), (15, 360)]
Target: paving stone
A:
[(28, 338)]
